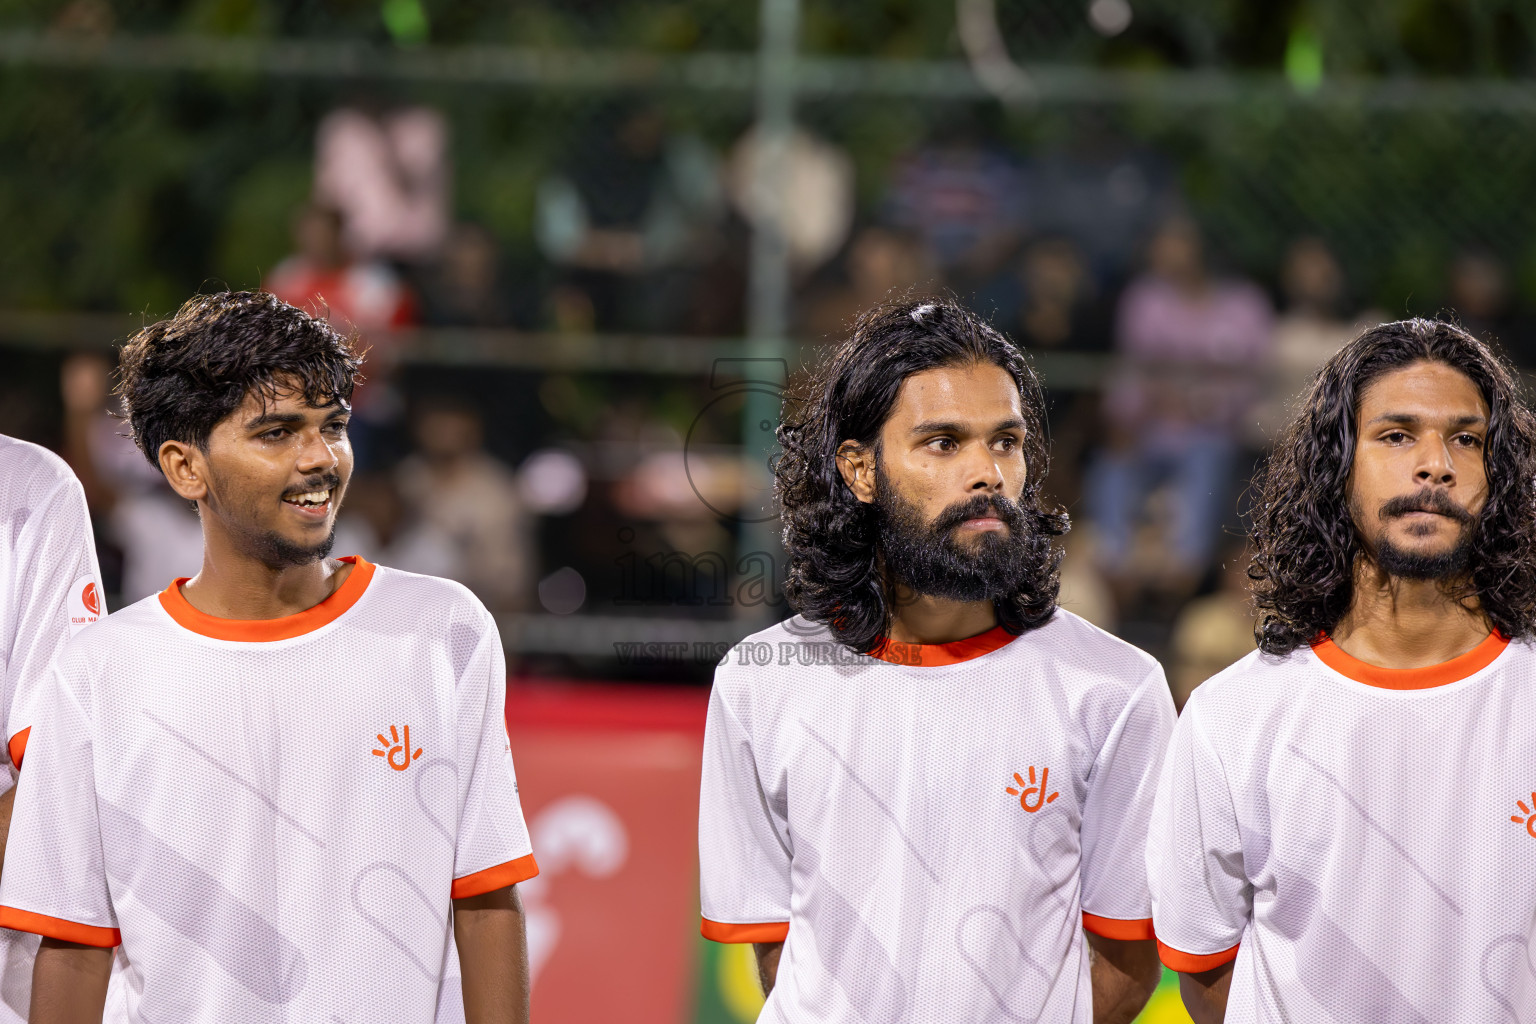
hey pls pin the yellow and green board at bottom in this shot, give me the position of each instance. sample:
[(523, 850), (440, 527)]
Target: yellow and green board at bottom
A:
[(729, 994)]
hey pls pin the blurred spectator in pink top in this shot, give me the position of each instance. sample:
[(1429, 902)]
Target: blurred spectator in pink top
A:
[(1193, 347), (387, 171)]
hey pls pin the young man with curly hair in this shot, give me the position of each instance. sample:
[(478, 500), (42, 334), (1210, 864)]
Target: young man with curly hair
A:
[(1345, 828), (922, 791), (282, 785)]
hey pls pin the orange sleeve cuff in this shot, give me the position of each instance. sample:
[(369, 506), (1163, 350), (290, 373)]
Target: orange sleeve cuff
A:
[(1193, 963), (17, 748), (773, 931), (1118, 928), (58, 928), (498, 877)]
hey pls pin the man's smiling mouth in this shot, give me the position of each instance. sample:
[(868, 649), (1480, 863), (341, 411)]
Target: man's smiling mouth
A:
[(309, 499)]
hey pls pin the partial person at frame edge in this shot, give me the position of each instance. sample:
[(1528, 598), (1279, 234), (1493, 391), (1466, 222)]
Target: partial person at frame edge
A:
[(1364, 779)]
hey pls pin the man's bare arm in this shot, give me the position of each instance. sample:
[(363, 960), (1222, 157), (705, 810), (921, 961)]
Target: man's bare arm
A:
[(7, 803), (767, 963), (1124, 974), (69, 983), (1205, 993), (493, 954)]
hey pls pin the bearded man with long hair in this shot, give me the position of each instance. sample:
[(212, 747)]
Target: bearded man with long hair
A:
[(925, 797), (1345, 828)]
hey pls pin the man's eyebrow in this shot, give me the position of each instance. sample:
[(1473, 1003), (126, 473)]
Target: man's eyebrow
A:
[(1409, 418), (273, 419), (283, 419), (947, 427)]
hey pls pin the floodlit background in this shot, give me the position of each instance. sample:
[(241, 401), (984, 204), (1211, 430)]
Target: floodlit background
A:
[(590, 243)]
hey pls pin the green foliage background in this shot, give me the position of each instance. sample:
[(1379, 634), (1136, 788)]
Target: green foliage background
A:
[(126, 189)]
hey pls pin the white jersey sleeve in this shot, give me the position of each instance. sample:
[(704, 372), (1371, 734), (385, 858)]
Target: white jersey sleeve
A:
[(55, 883), (1201, 897), (744, 851), (55, 591), (493, 848), (1116, 812)]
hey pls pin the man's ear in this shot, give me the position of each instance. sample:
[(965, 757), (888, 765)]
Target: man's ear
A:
[(857, 466), (185, 468)]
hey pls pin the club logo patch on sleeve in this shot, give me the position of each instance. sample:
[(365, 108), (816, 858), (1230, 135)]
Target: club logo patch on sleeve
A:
[(84, 603)]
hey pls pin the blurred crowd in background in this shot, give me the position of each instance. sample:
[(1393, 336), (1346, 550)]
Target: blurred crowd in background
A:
[(1171, 355)]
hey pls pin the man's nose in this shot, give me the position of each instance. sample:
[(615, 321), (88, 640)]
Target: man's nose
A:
[(1436, 466), (318, 453), (983, 471)]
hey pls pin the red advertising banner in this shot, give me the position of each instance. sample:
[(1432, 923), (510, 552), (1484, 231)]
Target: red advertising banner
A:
[(609, 779)]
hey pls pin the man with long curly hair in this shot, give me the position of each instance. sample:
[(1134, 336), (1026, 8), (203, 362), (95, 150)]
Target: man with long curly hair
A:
[(921, 792), (1345, 827)]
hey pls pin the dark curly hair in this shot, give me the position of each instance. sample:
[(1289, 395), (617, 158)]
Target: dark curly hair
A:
[(183, 375), (831, 537), (1305, 539)]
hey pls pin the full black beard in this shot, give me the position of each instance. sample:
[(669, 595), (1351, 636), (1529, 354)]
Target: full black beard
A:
[(1411, 565), (927, 559)]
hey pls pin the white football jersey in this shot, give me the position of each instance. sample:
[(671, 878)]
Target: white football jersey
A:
[(50, 589), (1361, 840), (273, 816), (930, 832)]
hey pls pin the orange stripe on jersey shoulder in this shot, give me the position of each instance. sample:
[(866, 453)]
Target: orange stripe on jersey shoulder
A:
[(498, 877), (925, 655), (1118, 928), (262, 630), (772, 931), (1193, 963), (58, 928), (1458, 668), (17, 748)]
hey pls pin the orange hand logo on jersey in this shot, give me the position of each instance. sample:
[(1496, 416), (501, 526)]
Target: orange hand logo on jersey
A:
[(1529, 821), (394, 745), (1032, 797)]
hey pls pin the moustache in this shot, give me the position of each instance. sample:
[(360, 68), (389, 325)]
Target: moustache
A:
[(979, 507), (327, 482), (1437, 502)]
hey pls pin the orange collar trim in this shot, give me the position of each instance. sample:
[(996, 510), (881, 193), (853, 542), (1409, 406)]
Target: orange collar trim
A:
[(1458, 668), (262, 630), (928, 655)]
